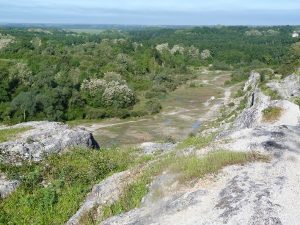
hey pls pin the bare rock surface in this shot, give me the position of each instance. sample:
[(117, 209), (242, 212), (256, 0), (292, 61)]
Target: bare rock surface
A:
[(7, 186), (151, 147), (43, 138), (257, 193), (287, 88), (264, 193), (253, 116)]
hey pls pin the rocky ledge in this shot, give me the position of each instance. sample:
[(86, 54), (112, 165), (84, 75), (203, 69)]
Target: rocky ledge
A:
[(41, 139)]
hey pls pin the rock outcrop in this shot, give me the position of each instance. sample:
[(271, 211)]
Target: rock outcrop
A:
[(106, 192), (256, 193), (44, 138), (7, 186), (151, 147), (287, 88), (258, 102)]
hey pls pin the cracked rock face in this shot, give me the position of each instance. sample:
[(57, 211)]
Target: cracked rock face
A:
[(43, 138)]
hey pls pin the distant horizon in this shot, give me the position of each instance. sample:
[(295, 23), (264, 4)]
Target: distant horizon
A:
[(143, 25), (154, 13)]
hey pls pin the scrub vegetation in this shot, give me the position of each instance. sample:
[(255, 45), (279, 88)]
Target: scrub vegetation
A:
[(271, 114), (61, 75)]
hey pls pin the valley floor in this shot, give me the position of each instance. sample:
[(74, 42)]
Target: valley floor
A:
[(184, 111)]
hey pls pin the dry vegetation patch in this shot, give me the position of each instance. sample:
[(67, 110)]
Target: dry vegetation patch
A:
[(271, 114)]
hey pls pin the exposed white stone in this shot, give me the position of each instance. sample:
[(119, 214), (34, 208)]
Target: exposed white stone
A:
[(43, 138), (151, 147), (7, 186)]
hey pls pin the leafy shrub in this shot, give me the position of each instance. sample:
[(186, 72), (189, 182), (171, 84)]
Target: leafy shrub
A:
[(153, 106), (92, 113), (118, 95), (100, 93), (239, 75), (220, 65), (156, 92), (138, 113)]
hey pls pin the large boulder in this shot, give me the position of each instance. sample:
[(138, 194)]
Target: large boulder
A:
[(43, 138)]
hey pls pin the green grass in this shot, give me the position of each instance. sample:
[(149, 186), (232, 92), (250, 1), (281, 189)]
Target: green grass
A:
[(51, 192), (271, 114), (11, 133), (239, 93), (132, 194), (196, 141), (297, 101), (192, 167), (132, 197)]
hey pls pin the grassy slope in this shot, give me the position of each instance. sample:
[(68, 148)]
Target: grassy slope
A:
[(190, 168), (52, 191)]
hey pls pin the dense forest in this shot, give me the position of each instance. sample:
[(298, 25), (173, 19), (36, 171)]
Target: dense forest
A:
[(59, 74)]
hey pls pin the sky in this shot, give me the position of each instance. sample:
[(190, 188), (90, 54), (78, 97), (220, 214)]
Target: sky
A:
[(152, 12)]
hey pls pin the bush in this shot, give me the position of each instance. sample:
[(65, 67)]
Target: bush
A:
[(92, 113), (153, 106), (118, 95), (122, 113), (138, 113), (217, 65), (157, 91), (239, 75), (75, 113), (100, 93)]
